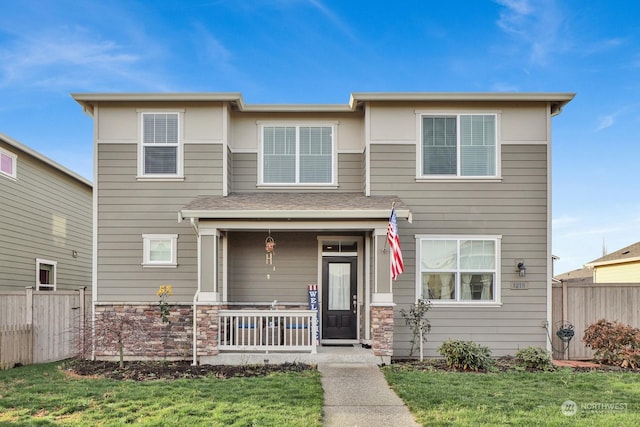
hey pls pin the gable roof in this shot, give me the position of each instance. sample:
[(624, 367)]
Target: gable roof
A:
[(630, 253), (31, 152), (581, 275)]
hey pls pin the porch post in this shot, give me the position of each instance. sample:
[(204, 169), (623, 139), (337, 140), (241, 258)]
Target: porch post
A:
[(208, 261), (382, 291), (382, 298)]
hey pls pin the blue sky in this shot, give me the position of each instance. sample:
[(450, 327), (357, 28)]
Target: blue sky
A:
[(319, 51)]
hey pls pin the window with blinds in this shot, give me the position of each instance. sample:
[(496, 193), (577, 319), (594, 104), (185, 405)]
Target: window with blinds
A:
[(160, 144), (462, 145), (297, 155)]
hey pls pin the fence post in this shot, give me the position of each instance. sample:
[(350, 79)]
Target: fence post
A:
[(565, 311), (82, 320)]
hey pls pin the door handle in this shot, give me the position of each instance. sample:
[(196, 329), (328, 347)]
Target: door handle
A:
[(354, 303)]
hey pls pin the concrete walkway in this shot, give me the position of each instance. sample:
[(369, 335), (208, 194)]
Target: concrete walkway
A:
[(356, 394)]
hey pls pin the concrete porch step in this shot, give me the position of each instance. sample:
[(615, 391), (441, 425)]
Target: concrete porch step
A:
[(326, 354)]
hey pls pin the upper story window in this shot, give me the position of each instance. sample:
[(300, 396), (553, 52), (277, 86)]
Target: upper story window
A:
[(463, 145), (301, 155), (458, 269), (160, 148), (8, 162)]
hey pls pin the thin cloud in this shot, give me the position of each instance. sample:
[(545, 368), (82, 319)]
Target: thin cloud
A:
[(335, 20), (70, 57), (564, 221), (539, 27), (607, 120)]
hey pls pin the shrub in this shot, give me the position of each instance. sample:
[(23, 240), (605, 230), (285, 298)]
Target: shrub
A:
[(534, 358), (466, 355), (614, 343)]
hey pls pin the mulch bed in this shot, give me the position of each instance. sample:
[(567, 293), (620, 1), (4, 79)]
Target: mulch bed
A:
[(508, 363), (142, 371)]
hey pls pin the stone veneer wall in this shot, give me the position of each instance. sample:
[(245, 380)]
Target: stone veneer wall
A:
[(144, 335), (382, 330)]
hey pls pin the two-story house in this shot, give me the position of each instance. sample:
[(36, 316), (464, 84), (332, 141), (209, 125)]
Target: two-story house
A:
[(246, 210)]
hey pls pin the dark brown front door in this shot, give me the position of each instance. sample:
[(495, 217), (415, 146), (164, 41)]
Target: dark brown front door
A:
[(339, 308)]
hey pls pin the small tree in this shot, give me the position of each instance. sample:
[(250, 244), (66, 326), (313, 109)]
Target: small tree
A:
[(111, 328), (420, 326)]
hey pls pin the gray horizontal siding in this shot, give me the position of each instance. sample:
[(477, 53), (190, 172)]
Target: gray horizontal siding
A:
[(128, 208), (44, 214), (295, 265), (515, 208), (350, 172)]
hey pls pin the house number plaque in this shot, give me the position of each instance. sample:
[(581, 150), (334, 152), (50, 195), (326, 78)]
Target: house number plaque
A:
[(519, 285)]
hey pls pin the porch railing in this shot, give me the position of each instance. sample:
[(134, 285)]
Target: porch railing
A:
[(268, 330)]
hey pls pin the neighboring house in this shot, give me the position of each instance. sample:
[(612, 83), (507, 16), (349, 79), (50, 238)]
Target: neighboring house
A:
[(622, 266), (241, 207), (45, 222)]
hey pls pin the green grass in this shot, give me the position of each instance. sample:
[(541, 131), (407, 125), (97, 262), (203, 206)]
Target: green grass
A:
[(43, 395), (518, 398)]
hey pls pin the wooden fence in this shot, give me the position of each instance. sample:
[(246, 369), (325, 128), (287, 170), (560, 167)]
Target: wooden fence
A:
[(41, 326), (584, 304)]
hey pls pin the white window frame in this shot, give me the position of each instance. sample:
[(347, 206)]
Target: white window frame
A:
[(457, 114), (14, 164), (47, 286), (495, 302), (298, 125), (179, 175), (146, 249)]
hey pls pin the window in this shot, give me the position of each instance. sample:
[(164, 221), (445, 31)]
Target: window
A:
[(458, 269), (7, 164), (45, 275), (160, 154), (160, 250), (297, 155), (462, 145)]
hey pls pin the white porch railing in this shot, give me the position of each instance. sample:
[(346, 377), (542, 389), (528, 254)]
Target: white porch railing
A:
[(268, 330)]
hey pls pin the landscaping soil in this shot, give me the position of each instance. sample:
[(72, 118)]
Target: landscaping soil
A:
[(142, 371)]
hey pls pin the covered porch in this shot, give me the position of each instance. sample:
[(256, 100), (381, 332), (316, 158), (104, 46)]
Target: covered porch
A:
[(292, 275)]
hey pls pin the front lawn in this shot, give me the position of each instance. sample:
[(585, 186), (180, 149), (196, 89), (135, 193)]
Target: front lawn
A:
[(47, 395), (443, 398)]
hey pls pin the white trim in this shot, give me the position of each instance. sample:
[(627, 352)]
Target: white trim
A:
[(497, 285), (225, 149), (391, 142), (367, 150), (549, 260), (458, 179), (54, 264), (203, 141), (525, 142), (14, 165), (298, 125), (420, 114), (146, 250), (350, 151)]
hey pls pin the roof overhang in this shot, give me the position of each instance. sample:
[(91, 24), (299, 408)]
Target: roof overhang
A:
[(294, 206), (33, 153), (612, 262), (356, 100)]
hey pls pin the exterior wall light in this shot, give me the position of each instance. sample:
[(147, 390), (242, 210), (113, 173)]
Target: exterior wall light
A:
[(522, 270)]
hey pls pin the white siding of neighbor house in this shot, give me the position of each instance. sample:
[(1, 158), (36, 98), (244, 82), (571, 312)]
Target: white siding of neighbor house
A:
[(514, 208), (45, 214)]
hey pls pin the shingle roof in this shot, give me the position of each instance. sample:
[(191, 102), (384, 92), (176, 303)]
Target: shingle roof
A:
[(628, 253), (298, 205), (581, 275)]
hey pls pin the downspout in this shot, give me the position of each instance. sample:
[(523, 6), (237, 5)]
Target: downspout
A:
[(194, 362)]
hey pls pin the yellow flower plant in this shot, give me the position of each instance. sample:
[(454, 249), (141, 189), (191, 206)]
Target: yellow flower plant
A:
[(163, 293)]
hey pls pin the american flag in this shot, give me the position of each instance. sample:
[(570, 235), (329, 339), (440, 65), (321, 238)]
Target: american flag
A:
[(397, 266)]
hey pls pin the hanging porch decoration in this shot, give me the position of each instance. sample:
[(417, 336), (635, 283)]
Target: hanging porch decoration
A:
[(269, 246)]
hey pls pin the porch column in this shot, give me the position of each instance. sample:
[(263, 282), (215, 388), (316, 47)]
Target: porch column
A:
[(382, 290), (208, 266)]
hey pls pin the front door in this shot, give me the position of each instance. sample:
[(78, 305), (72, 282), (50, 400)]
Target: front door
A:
[(339, 297)]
